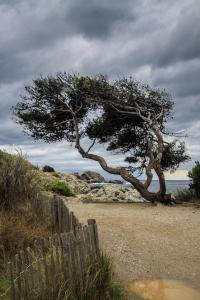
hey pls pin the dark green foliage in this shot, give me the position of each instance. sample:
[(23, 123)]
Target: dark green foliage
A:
[(19, 181), (46, 113), (59, 187), (174, 154), (185, 195), (194, 174)]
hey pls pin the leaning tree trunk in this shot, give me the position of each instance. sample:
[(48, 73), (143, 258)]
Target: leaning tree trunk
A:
[(153, 197), (160, 196)]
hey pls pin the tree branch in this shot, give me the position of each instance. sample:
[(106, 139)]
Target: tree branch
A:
[(91, 146)]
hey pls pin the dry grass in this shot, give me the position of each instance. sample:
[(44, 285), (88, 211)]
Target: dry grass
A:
[(19, 230), (19, 180)]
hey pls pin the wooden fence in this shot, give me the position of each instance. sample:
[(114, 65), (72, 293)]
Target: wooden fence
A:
[(38, 273), (52, 208)]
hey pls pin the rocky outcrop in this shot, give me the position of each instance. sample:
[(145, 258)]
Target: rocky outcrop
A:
[(91, 177), (76, 185), (48, 169), (112, 193)]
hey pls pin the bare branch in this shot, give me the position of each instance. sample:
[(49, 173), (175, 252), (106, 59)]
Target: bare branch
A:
[(160, 114), (93, 143), (135, 113)]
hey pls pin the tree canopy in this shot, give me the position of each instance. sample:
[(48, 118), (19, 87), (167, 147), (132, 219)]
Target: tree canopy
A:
[(127, 116)]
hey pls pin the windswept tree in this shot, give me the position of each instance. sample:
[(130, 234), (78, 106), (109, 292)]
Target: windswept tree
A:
[(125, 115)]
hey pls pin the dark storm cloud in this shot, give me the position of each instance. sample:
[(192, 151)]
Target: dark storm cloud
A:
[(182, 79), (184, 40), (155, 41), (95, 19)]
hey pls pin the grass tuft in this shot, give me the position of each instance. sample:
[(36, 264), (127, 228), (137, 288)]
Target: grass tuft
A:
[(60, 187), (19, 181)]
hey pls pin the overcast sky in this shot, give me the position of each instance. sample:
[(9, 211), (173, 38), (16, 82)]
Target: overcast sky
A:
[(156, 41)]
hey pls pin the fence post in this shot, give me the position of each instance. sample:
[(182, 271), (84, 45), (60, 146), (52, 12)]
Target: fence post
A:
[(95, 239)]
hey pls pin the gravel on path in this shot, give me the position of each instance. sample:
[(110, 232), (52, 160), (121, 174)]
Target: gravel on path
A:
[(148, 241)]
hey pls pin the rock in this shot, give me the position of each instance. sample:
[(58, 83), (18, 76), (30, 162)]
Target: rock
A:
[(116, 181), (112, 193), (48, 169), (76, 185), (91, 177)]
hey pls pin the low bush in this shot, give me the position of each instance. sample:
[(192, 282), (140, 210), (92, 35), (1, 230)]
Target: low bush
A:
[(194, 174), (186, 195), (19, 181), (60, 187)]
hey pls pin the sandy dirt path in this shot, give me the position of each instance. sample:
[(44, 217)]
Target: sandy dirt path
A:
[(146, 241)]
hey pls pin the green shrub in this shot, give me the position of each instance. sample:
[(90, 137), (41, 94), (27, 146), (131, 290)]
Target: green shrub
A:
[(60, 187), (186, 195), (194, 174), (19, 182)]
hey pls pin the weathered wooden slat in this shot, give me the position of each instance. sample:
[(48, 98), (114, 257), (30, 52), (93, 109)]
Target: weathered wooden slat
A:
[(39, 283), (57, 251), (18, 277), (65, 244), (30, 265), (12, 283), (52, 267), (24, 273), (67, 221), (45, 267), (93, 235), (96, 238)]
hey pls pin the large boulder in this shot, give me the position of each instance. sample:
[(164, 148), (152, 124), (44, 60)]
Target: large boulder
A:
[(91, 177), (112, 193), (48, 169)]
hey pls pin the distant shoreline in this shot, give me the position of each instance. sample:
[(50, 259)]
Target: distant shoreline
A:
[(172, 185)]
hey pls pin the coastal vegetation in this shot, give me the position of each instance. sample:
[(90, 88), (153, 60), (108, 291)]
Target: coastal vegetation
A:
[(193, 193), (19, 181), (60, 187), (128, 117), (21, 225)]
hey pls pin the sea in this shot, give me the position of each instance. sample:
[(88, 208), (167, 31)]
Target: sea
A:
[(171, 185)]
